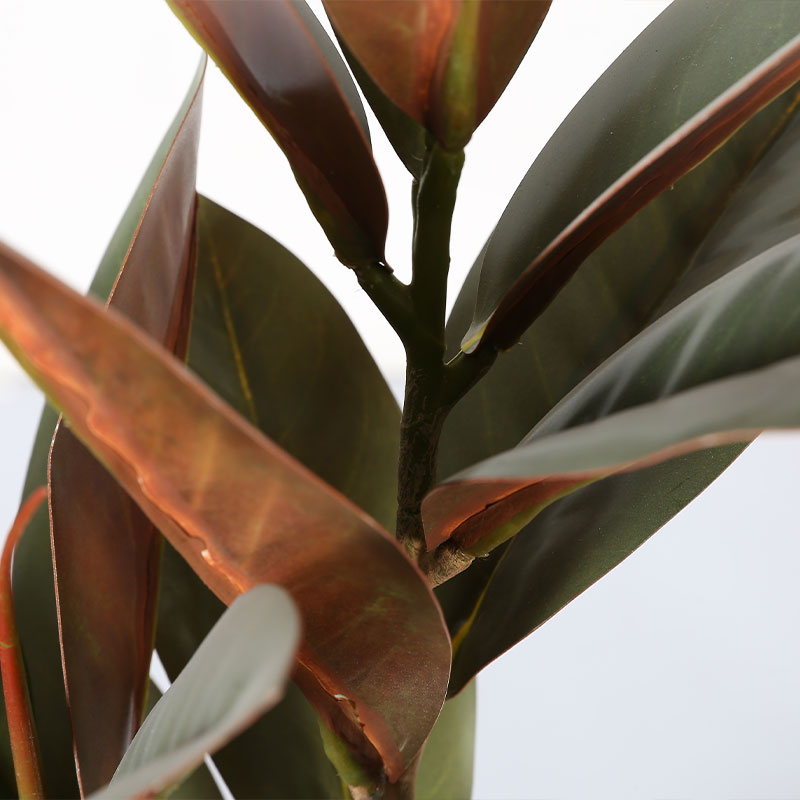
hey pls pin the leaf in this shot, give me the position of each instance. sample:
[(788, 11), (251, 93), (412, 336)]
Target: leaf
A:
[(678, 92), (280, 60), (199, 471), (762, 217), (620, 288), (106, 552), (570, 545), (443, 64), (266, 335), (280, 755), (267, 354), (199, 785), (33, 569), (446, 766), (238, 672), (579, 538)]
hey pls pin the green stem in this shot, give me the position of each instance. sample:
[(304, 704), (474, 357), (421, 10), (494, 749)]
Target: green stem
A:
[(426, 401)]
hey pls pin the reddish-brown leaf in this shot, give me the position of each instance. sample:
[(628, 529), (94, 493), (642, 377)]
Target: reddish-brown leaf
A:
[(376, 656), (19, 717), (106, 551), (275, 55), (444, 63)]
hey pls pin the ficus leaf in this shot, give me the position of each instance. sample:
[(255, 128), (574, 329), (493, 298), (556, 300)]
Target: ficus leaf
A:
[(649, 130), (106, 552), (238, 672), (280, 60), (443, 64), (199, 472)]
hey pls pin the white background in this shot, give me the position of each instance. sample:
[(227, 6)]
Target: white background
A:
[(676, 675)]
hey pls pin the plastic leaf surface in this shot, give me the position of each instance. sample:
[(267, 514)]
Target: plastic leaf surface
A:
[(650, 131), (199, 472), (238, 672), (443, 64), (279, 59)]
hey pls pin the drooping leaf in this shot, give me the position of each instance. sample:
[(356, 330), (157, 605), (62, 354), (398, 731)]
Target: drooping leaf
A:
[(280, 60), (238, 672), (695, 75), (241, 511), (139, 240), (265, 335), (446, 766), (106, 552), (443, 64)]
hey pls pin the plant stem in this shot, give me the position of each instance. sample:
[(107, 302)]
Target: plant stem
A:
[(21, 729), (426, 404)]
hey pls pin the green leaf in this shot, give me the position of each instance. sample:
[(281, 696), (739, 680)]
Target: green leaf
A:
[(266, 335), (199, 470), (576, 540), (315, 116), (569, 546), (443, 64), (621, 287), (238, 672), (279, 756), (265, 353), (408, 138), (147, 266), (762, 218), (679, 91), (198, 785), (446, 766)]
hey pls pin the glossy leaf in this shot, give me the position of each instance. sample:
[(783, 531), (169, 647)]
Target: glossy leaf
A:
[(238, 672), (764, 213), (443, 64), (33, 568), (280, 60), (576, 540), (615, 293), (446, 765), (106, 552), (654, 114), (18, 712), (720, 381), (199, 470), (198, 785), (280, 755), (266, 354), (566, 548)]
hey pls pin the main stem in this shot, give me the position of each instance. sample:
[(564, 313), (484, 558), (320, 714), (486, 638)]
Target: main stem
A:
[(427, 399)]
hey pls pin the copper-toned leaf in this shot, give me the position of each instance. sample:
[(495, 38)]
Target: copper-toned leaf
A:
[(265, 335), (443, 63), (375, 658), (106, 552), (280, 60), (538, 245)]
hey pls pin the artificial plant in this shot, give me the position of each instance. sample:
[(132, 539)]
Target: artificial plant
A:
[(628, 327)]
